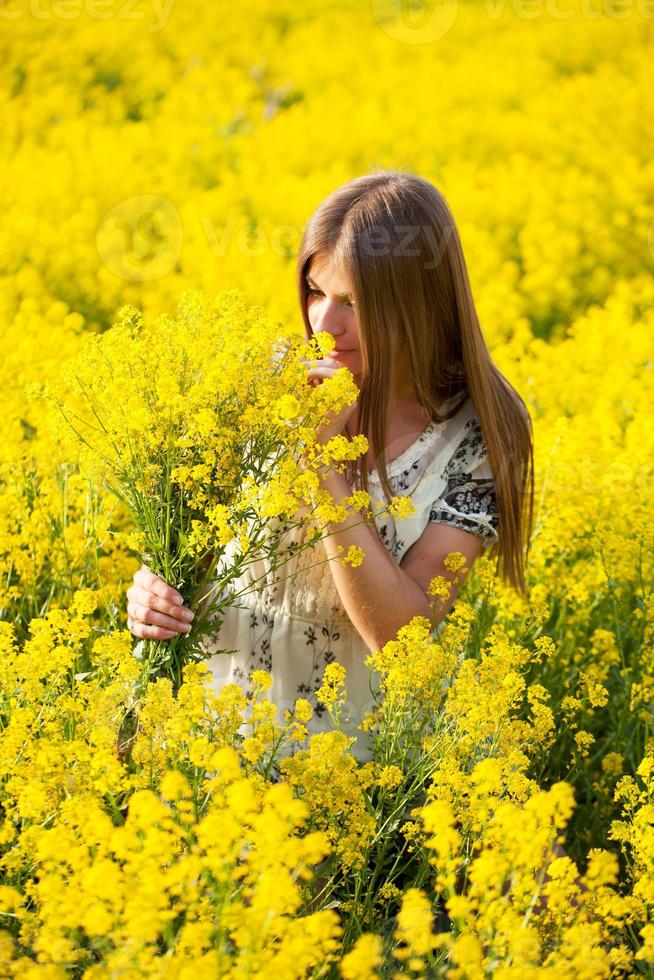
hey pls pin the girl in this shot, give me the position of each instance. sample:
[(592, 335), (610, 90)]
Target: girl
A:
[(381, 269)]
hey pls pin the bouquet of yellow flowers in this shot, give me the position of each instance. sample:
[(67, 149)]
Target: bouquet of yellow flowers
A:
[(204, 426)]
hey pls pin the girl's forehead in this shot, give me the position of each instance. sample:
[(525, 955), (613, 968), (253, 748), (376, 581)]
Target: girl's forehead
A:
[(326, 268)]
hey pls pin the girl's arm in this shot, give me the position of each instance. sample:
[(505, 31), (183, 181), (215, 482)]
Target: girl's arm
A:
[(380, 596)]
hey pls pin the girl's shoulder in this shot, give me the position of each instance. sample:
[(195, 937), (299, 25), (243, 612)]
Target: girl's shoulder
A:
[(455, 439), (465, 437)]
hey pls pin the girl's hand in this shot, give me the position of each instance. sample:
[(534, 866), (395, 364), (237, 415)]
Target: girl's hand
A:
[(155, 610), (334, 422)]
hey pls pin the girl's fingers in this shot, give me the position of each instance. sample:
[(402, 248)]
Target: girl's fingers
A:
[(321, 372), (153, 583), (311, 361), (151, 632), (144, 597), (150, 617), (318, 371)]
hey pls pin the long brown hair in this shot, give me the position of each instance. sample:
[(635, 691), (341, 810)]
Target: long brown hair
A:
[(394, 234)]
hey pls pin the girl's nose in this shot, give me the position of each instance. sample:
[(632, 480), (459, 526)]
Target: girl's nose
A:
[(332, 331), (329, 320), (330, 324)]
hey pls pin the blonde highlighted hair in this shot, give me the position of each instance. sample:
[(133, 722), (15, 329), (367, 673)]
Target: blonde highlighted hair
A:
[(394, 234)]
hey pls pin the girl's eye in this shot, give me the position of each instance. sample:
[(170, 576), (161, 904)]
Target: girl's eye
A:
[(318, 292)]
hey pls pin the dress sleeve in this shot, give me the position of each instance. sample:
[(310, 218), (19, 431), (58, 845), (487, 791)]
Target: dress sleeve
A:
[(280, 348), (469, 500)]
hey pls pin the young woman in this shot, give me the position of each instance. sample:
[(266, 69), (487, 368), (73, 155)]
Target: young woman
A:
[(381, 269)]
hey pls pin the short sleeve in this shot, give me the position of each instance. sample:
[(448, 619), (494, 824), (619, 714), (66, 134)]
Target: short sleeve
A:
[(469, 500)]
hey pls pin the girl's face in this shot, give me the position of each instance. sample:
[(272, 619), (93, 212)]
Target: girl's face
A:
[(330, 308)]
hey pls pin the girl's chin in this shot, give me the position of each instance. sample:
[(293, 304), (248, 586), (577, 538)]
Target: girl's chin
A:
[(350, 360), (353, 365)]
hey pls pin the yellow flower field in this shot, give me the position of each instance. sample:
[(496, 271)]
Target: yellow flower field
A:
[(505, 827)]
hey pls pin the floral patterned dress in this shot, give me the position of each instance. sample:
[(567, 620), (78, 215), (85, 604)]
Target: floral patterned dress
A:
[(293, 627)]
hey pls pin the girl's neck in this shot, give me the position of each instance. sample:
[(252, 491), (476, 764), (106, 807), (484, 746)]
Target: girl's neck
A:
[(405, 415)]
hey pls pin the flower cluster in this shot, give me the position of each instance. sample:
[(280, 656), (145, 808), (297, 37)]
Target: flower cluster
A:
[(204, 453)]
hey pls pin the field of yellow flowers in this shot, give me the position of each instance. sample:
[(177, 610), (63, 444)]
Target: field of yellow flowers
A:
[(152, 147)]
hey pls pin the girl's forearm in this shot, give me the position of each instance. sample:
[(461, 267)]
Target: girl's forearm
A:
[(378, 596)]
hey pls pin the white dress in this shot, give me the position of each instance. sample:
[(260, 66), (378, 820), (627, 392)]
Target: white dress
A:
[(294, 627)]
